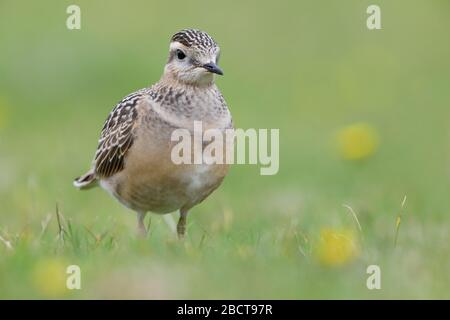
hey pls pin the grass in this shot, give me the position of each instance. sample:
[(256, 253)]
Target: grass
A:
[(307, 69)]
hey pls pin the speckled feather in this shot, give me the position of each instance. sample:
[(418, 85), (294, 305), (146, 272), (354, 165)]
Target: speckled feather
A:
[(117, 134), (195, 38)]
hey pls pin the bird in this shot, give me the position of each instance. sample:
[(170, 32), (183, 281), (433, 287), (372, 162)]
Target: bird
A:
[(133, 157)]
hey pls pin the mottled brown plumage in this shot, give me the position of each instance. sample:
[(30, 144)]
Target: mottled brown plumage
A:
[(133, 161)]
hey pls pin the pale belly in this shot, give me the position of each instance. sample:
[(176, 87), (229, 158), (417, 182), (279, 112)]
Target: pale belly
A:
[(167, 188)]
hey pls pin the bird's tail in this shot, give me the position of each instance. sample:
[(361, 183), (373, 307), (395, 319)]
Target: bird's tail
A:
[(86, 181)]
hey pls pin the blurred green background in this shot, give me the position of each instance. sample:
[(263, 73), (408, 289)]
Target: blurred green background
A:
[(311, 69)]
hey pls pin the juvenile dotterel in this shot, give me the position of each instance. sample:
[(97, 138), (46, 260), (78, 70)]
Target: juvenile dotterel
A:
[(133, 158)]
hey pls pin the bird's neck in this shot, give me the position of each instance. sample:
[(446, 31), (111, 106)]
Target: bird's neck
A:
[(189, 102), (170, 79)]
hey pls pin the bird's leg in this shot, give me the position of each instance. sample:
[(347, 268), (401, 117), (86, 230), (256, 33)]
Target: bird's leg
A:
[(142, 230), (181, 226)]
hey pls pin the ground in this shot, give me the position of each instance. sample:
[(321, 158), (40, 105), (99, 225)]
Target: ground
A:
[(363, 118)]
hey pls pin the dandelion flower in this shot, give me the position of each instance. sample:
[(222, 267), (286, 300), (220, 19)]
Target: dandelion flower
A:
[(336, 248), (357, 141), (244, 251), (49, 277)]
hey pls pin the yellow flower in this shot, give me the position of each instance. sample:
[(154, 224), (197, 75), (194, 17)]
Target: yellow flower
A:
[(244, 251), (49, 277), (357, 141), (336, 247)]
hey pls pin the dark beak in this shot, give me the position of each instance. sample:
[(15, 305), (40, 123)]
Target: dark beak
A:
[(213, 68)]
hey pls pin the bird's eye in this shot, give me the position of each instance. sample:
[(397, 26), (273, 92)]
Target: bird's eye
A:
[(180, 54)]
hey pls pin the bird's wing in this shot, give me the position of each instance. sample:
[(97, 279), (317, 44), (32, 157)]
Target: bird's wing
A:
[(117, 136)]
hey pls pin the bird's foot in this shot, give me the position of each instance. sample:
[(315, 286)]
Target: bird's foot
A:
[(181, 227), (142, 230)]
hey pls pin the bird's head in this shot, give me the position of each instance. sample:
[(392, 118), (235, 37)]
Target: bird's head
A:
[(193, 58)]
